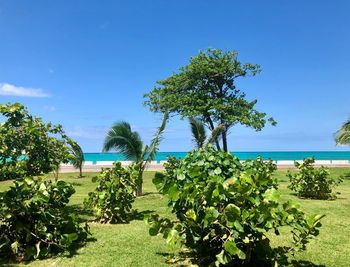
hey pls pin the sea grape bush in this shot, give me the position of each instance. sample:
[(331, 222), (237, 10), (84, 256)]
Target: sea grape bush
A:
[(28, 146), (35, 222), (111, 202), (226, 210), (312, 182)]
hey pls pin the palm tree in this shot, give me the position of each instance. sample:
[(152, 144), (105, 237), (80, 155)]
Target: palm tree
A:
[(199, 133), (122, 139), (342, 137), (76, 156)]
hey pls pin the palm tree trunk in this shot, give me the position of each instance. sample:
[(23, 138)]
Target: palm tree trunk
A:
[(139, 182)]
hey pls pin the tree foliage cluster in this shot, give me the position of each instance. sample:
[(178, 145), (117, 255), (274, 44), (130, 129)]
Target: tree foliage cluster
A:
[(28, 146), (312, 182), (226, 210), (35, 221), (111, 202), (206, 89)]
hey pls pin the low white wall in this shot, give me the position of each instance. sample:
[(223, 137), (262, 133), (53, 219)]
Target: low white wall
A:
[(104, 163)]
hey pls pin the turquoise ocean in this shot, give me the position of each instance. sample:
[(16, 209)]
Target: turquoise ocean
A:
[(288, 155)]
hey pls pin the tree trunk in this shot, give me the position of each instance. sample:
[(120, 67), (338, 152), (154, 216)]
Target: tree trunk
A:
[(81, 171), (224, 140), (139, 190), (224, 133), (139, 182), (212, 127)]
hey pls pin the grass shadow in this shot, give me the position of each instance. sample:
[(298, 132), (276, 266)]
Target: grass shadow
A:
[(303, 263), (76, 184), (181, 259), (150, 193), (74, 250), (139, 216), (83, 212), (346, 176), (187, 258)]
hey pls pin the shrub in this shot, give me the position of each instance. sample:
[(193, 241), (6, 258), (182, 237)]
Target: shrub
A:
[(226, 210), (28, 146), (111, 202), (311, 182), (34, 221)]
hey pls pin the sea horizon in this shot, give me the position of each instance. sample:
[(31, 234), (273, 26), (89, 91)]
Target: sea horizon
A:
[(242, 155)]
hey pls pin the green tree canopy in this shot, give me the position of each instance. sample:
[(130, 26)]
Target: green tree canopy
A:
[(206, 89), (28, 146)]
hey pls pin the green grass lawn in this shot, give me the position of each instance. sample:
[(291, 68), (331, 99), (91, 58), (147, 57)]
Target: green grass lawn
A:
[(131, 245)]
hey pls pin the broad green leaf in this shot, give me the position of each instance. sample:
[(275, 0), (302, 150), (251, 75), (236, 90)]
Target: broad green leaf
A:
[(173, 193), (272, 195), (231, 247), (232, 212)]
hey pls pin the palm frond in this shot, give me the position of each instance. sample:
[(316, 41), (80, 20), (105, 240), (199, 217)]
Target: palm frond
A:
[(198, 132), (122, 139), (342, 137), (76, 155), (215, 134), (158, 137)]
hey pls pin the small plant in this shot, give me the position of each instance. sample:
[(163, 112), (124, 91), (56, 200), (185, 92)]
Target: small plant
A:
[(226, 210), (111, 202), (34, 221), (311, 182), (121, 138)]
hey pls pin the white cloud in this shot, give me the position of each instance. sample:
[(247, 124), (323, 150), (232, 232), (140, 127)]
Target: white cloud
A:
[(12, 90), (89, 132), (50, 108)]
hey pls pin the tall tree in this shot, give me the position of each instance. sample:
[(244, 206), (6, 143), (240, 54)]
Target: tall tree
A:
[(206, 88), (342, 137), (122, 139)]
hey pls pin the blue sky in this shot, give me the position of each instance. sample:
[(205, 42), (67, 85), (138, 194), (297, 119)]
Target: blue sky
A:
[(86, 64)]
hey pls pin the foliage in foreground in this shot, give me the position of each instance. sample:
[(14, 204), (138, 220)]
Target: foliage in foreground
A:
[(311, 182), (226, 210), (111, 202), (35, 222), (28, 146)]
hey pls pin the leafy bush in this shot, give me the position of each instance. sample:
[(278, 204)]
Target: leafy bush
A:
[(226, 210), (28, 146), (311, 182), (113, 197), (34, 221)]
